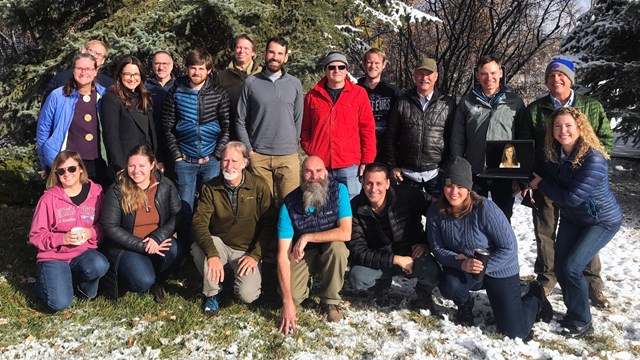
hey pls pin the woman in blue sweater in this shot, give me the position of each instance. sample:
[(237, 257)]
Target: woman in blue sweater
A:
[(463, 221), (578, 183)]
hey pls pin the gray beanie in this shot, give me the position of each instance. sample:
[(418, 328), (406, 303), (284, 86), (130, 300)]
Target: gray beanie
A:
[(334, 56), (458, 172)]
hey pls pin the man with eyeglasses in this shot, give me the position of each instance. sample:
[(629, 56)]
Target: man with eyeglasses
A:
[(417, 137), (242, 65), (382, 94), (159, 85), (338, 124), (99, 51)]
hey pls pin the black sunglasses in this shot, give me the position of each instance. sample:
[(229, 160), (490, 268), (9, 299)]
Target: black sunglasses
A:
[(71, 169), (339, 67)]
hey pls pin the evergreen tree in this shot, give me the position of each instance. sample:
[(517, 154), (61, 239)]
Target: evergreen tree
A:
[(54, 31), (606, 48)]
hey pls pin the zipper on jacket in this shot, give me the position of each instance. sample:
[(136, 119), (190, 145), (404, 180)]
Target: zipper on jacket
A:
[(198, 124)]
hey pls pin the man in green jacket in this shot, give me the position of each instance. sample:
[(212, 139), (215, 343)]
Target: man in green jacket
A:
[(559, 77), (234, 217), (241, 66)]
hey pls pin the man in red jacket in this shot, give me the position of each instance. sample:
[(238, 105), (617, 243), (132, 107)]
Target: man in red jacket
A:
[(338, 124)]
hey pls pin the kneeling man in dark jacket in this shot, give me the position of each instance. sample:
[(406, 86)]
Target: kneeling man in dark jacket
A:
[(388, 238)]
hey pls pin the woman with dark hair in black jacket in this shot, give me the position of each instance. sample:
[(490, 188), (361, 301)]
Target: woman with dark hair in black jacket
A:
[(127, 114), (139, 217)]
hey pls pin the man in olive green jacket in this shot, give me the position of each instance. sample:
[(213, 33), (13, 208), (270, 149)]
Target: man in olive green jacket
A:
[(234, 218), (559, 77), (241, 66)]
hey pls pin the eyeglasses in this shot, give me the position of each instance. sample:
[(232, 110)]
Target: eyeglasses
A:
[(131, 75), (161, 64), (94, 53), (81, 69), (336, 67), (71, 169)]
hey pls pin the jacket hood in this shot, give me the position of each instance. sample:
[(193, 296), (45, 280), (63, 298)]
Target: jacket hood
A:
[(58, 192), (251, 70)]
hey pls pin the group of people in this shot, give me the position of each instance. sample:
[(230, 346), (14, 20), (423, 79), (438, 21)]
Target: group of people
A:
[(378, 161)]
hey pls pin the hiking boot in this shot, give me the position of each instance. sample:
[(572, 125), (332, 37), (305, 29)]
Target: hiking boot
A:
[(573, 331), (382, 298), (332, 312), (424, 301), (159, 293), (464, 315), (545, 312), (598, 299), (211, 305)]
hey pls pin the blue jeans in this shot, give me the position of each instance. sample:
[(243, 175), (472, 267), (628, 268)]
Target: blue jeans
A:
[(575, 246), (349, 177), (190, 178), (432, 187), (514, 315), (140, 271), (56, 278), (425, 269)]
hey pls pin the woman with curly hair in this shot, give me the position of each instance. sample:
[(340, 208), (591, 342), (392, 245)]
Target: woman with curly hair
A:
[(590, 216)]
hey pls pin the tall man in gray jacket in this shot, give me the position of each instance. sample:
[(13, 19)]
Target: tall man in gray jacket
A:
[(269, 121), (486, 113)]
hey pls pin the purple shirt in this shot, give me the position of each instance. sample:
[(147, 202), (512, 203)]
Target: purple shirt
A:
[(83, 135)]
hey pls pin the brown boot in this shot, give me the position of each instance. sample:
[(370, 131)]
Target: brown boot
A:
[(598, 299), (332, 312)]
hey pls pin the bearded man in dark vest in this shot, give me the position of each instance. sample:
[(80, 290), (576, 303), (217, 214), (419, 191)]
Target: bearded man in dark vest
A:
[(315, 222)]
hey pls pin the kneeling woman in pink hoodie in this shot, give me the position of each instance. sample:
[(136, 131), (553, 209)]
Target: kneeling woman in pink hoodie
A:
[(66, 230)]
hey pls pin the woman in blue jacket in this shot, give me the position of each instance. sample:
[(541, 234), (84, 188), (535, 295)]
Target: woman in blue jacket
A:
[(589, 213), (463, 221), (69, 120)]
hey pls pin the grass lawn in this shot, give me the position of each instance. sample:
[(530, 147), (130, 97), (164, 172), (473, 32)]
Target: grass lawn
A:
[(175, 328)]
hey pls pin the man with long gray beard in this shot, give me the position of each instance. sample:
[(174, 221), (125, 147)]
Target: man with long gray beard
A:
[(234, 215), (314, 224)]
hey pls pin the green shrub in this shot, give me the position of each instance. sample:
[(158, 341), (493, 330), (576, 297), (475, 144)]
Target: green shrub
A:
[(20, 182)]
